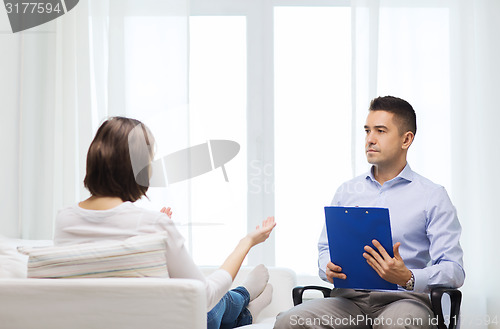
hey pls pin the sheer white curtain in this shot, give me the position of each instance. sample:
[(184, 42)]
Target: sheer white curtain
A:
[(475, 81), (442, 56), (46, 117)]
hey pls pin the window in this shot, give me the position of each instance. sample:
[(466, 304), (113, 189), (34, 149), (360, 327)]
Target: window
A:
[(277, 78), (206, 208)]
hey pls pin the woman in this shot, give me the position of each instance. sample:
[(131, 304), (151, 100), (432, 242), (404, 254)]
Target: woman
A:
[(109, 214)]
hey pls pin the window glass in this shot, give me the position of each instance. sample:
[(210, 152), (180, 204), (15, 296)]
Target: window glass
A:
[(217, 93), (414, 64), (312, 67)]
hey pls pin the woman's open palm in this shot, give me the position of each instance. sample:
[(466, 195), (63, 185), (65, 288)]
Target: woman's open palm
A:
[(261, 233)]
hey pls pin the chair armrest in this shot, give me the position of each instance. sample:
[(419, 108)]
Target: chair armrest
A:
[(455, 298), (297, 293)]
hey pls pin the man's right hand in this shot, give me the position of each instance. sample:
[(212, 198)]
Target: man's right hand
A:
[(334, 271)]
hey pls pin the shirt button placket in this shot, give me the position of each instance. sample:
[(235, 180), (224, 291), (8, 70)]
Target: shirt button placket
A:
[(381, 198)]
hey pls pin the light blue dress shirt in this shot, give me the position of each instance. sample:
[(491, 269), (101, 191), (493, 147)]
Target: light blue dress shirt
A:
[(423, 219)]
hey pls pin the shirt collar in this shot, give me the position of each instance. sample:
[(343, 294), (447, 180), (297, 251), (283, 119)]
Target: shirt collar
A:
[(406, 174)]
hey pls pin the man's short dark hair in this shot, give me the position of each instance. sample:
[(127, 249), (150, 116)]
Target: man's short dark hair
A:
[(404, 114), (109, 167)]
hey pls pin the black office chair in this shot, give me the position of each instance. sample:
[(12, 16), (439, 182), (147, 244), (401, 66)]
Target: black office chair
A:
[(436, 296)]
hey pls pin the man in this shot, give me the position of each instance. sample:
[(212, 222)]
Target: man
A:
[(424, 224)]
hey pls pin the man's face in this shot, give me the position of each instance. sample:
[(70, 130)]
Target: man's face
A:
[(383, 143)]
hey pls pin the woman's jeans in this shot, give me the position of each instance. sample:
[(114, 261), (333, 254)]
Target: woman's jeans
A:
[(231, 311)]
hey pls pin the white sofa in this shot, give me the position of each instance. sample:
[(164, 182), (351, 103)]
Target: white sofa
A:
[(114, 303)]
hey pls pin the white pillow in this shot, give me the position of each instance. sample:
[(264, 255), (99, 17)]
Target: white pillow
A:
[(139, 256), (12, 263)]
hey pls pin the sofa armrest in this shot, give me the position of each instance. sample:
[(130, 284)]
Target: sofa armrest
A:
[(111, 303)]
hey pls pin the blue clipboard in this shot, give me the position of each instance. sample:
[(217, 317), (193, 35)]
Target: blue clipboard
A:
[(349, 230)]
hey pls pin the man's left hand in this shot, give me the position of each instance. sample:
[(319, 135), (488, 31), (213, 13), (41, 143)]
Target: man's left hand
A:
[(389, 268)]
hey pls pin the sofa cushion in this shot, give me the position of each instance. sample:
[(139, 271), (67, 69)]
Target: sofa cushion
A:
[(139, 256)]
